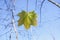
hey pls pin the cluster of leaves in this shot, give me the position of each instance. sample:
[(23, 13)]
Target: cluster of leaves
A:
[(27, 18)]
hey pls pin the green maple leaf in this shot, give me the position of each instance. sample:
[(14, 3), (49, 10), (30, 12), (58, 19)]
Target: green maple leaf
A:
[(27, 18)]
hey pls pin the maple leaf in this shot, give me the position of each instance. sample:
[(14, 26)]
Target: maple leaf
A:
[(27, 18), (33, 16), (27, 22), (22, 16)]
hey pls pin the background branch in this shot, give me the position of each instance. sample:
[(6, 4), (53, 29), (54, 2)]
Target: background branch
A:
[(5, 33), (55, 3), (41, 8), (13, 20)]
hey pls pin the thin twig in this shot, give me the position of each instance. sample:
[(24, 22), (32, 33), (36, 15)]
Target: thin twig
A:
[(27, 6), (8, 7), (41, 8), (55, 3), (10, 34), (5, 33), (52, 35), (36, 5)]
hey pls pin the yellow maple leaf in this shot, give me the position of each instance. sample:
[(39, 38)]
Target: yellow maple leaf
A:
[(27, 22), (27, 18)]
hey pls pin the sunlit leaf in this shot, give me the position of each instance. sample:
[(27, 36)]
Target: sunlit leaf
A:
[(34, 22), (33, 16), (27, 22), (27, 18), (22, 16)]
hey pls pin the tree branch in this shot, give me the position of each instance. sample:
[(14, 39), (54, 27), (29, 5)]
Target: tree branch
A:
[(41, 8), (13, 21), (5, 33), (36, 5), (55, 3)]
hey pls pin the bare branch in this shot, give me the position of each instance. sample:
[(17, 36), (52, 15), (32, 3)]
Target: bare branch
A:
[(5, 33), (52, 35), (6, 4), (27, 6), (36, 5), (10, 9), (41, 8), (55, 3), (13, 20), (10, 34)]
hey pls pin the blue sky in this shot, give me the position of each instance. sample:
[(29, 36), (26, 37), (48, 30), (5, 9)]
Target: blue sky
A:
[(50, 21)]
